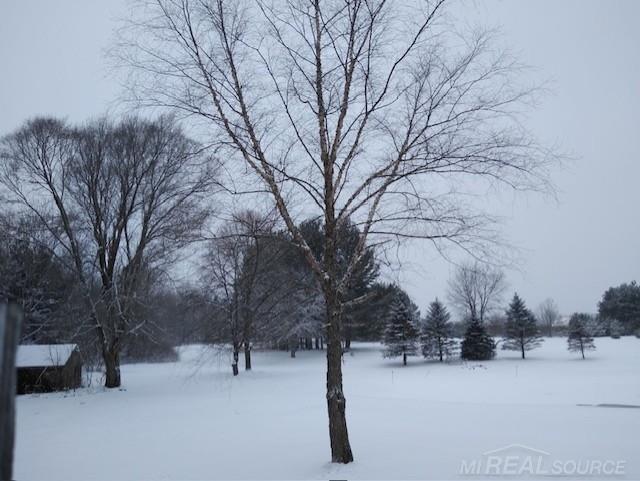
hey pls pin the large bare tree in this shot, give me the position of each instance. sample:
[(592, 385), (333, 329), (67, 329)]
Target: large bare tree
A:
[(371, 110), (117, 199), (476, 290)]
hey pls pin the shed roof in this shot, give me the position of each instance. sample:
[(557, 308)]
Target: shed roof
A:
[(36, 355)]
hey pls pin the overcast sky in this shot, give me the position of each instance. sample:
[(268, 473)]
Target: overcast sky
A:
[(572, 249)]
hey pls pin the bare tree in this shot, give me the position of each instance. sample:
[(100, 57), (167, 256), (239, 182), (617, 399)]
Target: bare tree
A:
[(258, 278), (238, 274), (549, 315), (369, 110), (476, 290), (117, 198)]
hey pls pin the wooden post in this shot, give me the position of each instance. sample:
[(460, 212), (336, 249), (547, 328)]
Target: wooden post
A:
[(10, 319)]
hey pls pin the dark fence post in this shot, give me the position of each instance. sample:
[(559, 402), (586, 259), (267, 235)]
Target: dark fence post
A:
[(10, 319)]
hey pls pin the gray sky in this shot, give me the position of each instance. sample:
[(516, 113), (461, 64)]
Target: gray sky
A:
[(52, 63)]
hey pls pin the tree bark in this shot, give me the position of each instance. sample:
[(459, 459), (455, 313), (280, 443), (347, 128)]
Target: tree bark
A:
[(247, 356), (404, 358), (107, 332), (336, 402), (111, 356), (234, 363)]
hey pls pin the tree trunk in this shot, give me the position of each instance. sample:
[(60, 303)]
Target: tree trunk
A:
[(247, 356), (111, 356), (582, 348), (522, 346), (404, 358), (336, 402), (317, 341), (293, 352), (234, 364)]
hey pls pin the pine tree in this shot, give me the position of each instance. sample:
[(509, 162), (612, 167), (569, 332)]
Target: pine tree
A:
[(521, 330), (437, 333), (400, 332), (580, 336), (477, 344)]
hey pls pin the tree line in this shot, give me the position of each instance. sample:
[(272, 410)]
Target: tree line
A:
[(476, 290)]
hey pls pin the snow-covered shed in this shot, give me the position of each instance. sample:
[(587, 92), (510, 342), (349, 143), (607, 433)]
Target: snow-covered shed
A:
[(48, 367)]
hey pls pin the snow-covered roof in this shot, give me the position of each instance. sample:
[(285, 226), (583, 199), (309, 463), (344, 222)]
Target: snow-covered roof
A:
[(35, 355)]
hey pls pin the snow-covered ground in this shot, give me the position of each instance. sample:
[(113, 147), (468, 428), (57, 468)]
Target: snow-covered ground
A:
[(193, 420)]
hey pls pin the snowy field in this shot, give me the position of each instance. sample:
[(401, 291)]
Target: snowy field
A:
[(193, 420)]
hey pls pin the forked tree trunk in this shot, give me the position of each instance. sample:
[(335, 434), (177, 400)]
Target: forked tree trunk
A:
[(111, 357), (336, 402), (106, 329)]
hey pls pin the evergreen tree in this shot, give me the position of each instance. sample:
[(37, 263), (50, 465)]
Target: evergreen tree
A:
[(437, 333), (521, 330), (623, 304), (477, 344), (580, 336), (356, 315), (400, 333)]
